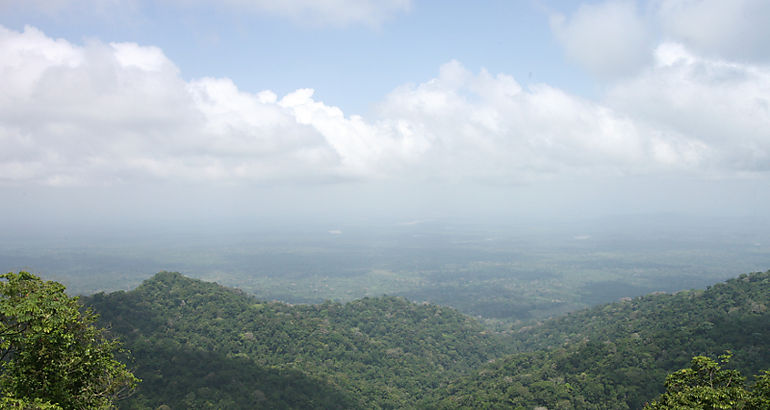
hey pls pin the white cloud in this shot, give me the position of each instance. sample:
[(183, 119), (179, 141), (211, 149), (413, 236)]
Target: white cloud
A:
[(735, 29), (105, 113), (613, 38), (609, 39), (484, 126), (721, 104), (113, 113), (100, 113), (704, 97)]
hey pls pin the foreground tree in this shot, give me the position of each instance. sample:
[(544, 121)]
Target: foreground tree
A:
[(51, 354), (706, 385)]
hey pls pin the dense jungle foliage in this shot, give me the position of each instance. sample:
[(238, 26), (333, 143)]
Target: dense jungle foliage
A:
[(706, 384), (617, 355), (189, 336), (199, 345), (51, 354)]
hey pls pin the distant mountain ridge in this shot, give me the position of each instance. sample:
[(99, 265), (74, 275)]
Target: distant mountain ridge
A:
[(200, 345)]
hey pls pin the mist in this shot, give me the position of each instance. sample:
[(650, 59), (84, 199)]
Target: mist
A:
[(36, 211)]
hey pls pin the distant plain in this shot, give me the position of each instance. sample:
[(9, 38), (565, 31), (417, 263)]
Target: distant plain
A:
[(503, 272)]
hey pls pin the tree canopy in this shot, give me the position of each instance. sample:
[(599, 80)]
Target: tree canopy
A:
[(706, 384), (51, 354), (201, 345), (620, 353)]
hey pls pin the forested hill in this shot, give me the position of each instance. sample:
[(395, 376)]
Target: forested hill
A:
[(617, 355), (197, 345), (200, 345)]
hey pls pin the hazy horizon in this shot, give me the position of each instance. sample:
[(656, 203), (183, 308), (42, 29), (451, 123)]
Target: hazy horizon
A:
[(148, 132)]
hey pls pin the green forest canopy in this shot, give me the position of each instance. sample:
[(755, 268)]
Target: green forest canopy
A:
[(194, 340), (52, 354)]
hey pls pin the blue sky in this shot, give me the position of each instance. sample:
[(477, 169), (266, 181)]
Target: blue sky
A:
[(321, 107), (351, 64)]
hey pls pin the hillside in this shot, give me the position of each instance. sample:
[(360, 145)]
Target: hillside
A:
[(197, 344), (617, 355)]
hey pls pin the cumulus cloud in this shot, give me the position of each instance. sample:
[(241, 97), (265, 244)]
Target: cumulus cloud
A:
[(735, 29), (103, 111), (705, 81), (486, 126), (120, 112), (609, 39), (614, 38), (723, 105), (109, 112)]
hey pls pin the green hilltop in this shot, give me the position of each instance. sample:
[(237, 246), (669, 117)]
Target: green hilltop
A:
[(200, 345), (372, 352), (617, 355)]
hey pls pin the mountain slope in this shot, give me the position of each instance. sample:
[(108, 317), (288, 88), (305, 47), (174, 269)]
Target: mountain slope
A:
[(373, 352), (200, 345), (617, 355)]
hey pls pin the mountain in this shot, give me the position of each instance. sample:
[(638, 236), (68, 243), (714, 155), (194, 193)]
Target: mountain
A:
[(198, 344), (617, 355)]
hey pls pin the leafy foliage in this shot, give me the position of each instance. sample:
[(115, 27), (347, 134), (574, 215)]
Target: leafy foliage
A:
[(21, 404), (200, 345), (707, 385), (619, 353), (189, 378), (383, 351), (51, 352)]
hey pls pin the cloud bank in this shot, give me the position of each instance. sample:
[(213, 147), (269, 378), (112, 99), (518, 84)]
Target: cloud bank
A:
[(735, 30), (616, 38), (609, 39), (105, 114)]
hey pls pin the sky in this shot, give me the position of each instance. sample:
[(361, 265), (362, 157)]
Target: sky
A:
[(126, 113)]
